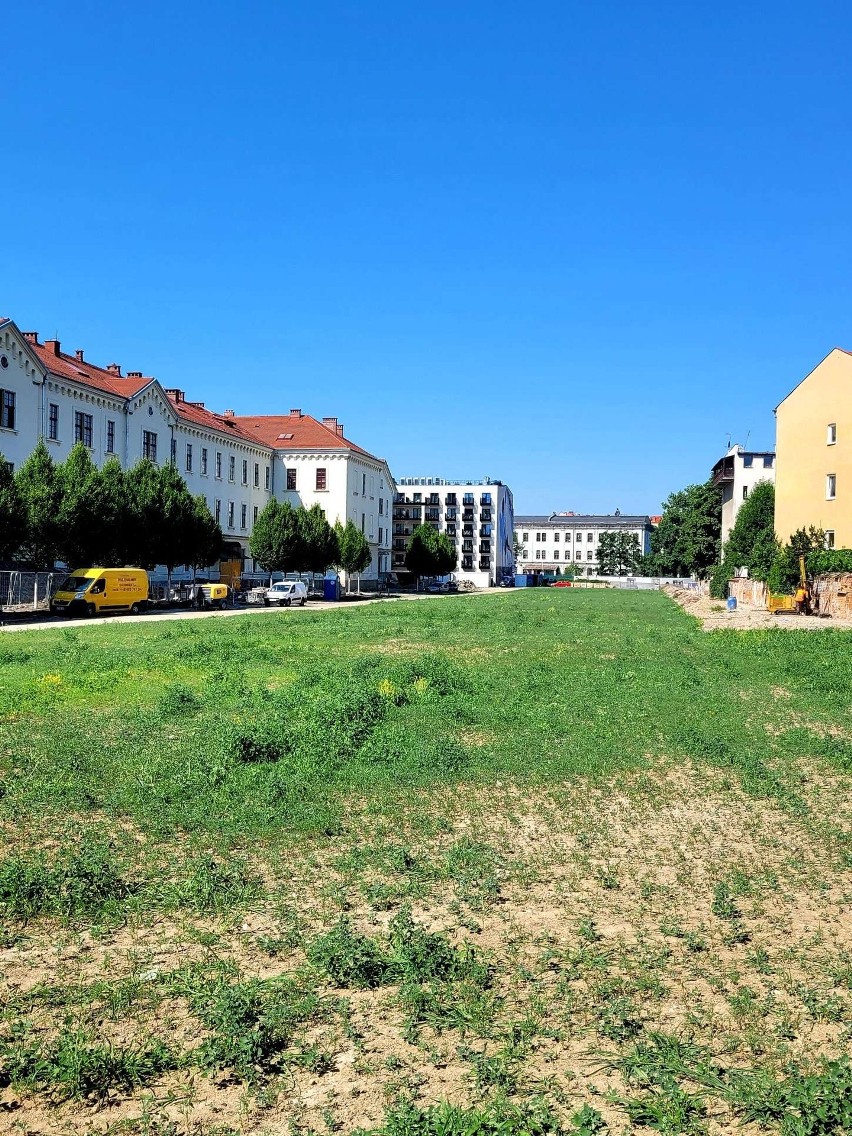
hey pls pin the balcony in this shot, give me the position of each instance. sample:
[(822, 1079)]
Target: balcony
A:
[(451, 514), (485, 499), (485, 549), (467, 530), (484, 564), (433, 514), (467, 546), (468, 515), (450, 499), (434, 499), (451, 530), (467, 564), (485, 530), (468, 500), (723, 470), (485, 514)]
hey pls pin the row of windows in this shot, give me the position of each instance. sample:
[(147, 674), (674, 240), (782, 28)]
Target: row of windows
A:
[(543, 537), (748, 461), (216, 509), (468, 499), (541, 554)]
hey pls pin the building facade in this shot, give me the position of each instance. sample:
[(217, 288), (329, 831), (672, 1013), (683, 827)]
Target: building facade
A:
[(478, 516), (570, 541), (813, 444), (237, 463), (736, 474)]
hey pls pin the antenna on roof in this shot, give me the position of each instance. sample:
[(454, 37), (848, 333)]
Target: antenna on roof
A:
[(729, 442), (745, 445)]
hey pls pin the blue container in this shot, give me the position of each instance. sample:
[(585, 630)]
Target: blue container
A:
[(521, 580), (331, 588), (732, 603)]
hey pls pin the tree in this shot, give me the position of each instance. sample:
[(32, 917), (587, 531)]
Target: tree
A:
[(40, 490), (618, 554), (81, 536), (686, 541), (353, 550), (143, 515), (206, 544), (262, 542), (519, 551), (318, 543), (110, 492), (174, 538), (13, 515), (429, 553), (751, 543), (276, 539)]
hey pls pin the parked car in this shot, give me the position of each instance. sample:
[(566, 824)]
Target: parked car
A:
[(286, 592)]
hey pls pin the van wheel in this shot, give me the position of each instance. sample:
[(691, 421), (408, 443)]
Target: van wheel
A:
[(134, 609), (302, 603), (91, 611), (287, 603)]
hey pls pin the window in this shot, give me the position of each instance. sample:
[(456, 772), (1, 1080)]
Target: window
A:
[(149, 445), (254, 515), (556, 538), (83, 428), (831, 486), (110, 438), (748, 460), (245, 472), (291, 478), (567, 538), (767, 461), (745, 492), (53, 421), (829, 538), (590, 555), (7, 409), (243, 516), (189, 457), (363, 519), (525, 538), (578, 555), (578, 536), (230, 514), (218, 512), (363, 485), (831, 433), (232, 468), (381, 505), (267, 477), (219, 464), (321, 483), (556, 554), (256, 476), (204, 461), (590, 537)]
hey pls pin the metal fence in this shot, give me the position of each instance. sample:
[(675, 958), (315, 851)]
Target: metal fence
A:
[(28, 591)]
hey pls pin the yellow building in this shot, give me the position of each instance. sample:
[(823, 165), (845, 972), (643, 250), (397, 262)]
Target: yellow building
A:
[(813, 476)]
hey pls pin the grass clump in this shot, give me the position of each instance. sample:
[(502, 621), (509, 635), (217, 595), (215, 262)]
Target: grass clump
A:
[(499, 1118), (80, 880)]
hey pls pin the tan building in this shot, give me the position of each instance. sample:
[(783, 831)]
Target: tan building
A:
[(813, 478)]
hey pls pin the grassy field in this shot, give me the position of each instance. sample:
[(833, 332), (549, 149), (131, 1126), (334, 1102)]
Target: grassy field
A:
[(538, 862)]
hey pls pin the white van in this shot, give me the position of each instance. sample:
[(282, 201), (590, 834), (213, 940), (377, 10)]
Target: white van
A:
[(286, 592)]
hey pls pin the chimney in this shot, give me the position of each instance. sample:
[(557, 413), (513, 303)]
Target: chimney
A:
[(331, 423), (31, 337), (339, 430), (228, 414), (173, 392), (52, 345), (200, 405), (296, 413), (113, 368), (134, 374), (79, 354)]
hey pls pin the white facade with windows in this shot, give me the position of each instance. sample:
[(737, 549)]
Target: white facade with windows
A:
[(477, 515), (237, 463), (736, 474), (570, 540)]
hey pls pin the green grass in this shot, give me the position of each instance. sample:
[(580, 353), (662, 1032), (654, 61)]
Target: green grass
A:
[(550, 848)]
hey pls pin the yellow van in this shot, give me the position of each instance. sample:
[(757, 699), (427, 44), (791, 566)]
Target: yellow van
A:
[(92, 591)]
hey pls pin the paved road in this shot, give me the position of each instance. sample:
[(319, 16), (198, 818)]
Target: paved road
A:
[(46, 622)]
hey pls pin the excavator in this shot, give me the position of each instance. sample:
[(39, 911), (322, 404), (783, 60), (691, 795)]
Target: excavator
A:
[(802, 602)]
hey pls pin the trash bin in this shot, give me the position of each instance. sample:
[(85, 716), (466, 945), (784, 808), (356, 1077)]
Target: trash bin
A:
[(331, 588), (732, 603)]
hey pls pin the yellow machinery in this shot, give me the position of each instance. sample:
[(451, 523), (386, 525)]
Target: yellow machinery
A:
[(230, 572), (799, 602)]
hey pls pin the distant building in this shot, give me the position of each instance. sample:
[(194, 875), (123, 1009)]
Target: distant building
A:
[(478, 516), (813, 483), (571, 540), (736, 474)]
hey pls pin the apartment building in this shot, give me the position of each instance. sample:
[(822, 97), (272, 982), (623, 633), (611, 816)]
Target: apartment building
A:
[(813, 446), (478, 516), (236, 462), (561, 541), (736, 474)]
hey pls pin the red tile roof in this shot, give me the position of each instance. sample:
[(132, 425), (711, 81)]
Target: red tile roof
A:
[(73, 367), (201, 416), (305, 433)]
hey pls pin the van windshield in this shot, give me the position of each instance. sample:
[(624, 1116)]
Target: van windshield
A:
[(74, 583)]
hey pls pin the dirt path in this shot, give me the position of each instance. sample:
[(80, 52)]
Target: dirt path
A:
[(714, 614)]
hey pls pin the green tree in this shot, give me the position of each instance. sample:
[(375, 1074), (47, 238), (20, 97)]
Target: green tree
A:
[(40, 491), (263, 539), (206, 544), (446, 557), (174, 538), (81, 536), (276, 539), (429, 553), (143, 514), (618, 554), (519, 550), (353, 550), (751, 543), (686, 541), (318, 543), (13, 514), (110, 492)]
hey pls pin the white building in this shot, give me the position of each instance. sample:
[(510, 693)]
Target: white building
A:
[(237, 463), (736, 474), (477, 515), (571, 540)]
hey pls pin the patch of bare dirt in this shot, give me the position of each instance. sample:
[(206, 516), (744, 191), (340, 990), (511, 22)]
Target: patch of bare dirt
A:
[(713, 614)]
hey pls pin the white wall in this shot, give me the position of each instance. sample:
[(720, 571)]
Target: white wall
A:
[(24, 379)]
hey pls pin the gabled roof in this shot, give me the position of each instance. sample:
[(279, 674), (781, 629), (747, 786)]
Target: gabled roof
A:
[(298, 431), (74, 367), (842, 350), (199, 415)]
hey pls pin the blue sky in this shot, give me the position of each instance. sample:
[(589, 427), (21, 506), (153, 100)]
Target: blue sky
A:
[(572, 246)]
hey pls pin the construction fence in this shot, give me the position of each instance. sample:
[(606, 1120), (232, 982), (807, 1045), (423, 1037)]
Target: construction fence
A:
[(28, 591)]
